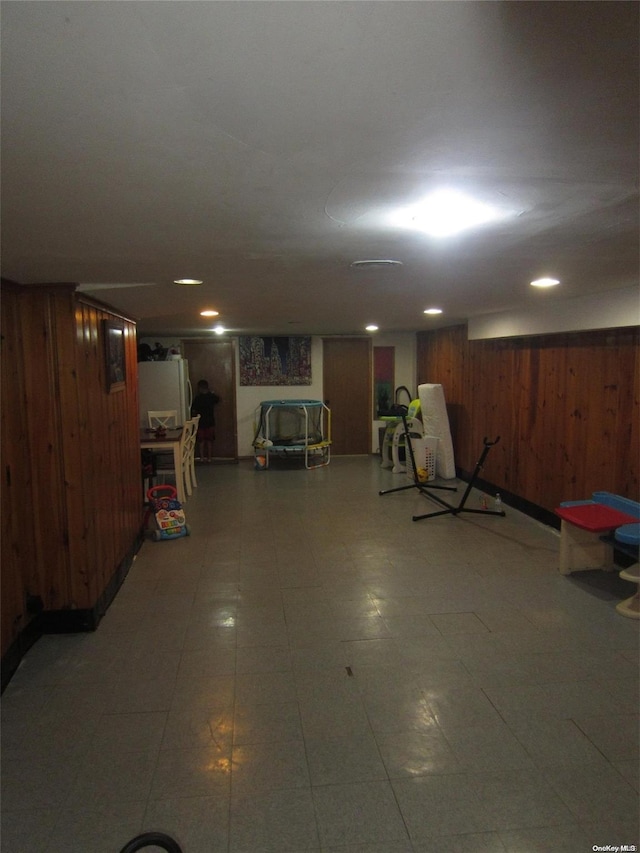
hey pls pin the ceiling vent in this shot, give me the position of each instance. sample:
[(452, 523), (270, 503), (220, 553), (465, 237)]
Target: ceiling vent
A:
[(375, 262)]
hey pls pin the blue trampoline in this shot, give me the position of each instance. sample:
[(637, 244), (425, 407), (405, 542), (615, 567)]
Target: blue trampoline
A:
[(299, 428)]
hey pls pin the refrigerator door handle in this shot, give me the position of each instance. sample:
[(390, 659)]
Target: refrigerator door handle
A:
[(190, 395)]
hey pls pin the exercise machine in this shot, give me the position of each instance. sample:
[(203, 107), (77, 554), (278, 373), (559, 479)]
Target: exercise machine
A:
[(455, 510)]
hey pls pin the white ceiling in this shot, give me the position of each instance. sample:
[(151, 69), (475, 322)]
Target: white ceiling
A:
[(260, 146)]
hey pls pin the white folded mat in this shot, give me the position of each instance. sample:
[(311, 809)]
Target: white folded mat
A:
[(435, 422)]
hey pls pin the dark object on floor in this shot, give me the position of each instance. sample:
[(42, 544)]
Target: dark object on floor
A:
[(152, 839)]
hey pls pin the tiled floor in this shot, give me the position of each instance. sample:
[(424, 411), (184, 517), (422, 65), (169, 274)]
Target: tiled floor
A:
[(313, 671)]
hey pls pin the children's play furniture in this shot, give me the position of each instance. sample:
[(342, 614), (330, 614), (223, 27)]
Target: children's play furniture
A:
[(592, 529), (394, 450), (299, 428), (628, 536)]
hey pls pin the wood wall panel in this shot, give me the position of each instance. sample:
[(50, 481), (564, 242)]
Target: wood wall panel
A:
[(48, 576), (74, 448), (566, 408), (17, 549), (107, 455)]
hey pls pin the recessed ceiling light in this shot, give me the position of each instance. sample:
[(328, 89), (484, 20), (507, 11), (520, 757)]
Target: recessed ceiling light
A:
[(187, 281), (447, 212), (376, 262), (209, 313), (219, 329), (371, 328), (433, 310), (545, 282)]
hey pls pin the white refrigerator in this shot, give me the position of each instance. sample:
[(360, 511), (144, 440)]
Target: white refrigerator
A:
[(162, 386)]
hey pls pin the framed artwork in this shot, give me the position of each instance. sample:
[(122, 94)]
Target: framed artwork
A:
[(113, 333), (275, 360)]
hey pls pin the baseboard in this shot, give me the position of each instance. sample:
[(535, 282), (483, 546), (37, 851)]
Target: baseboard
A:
[(68, 620), (539, 513)]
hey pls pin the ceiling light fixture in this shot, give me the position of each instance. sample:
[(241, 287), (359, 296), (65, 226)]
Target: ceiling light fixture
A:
[(184, 281), (545, 282), (433, 310), (219, 329), (209, 313), (447, 212), (371, 328)]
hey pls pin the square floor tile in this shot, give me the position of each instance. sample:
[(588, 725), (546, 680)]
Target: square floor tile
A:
[(131, 732), (101, 828), (282, 821), (601, 796), (567, 839), (364, 812), (355, 758), (459, 623), (460, 706), (417, 753), (476, 842), (110, 778), (261, 659), (27, 829), (441, 805), (194, 772), (616, 737), (488, 747), (520, 799), (552, 742), (198, 824), (269, 766), (199, 727), (267, 723), (204, 662)]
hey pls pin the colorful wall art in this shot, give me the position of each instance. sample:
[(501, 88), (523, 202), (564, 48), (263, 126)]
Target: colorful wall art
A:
[(275, 360)]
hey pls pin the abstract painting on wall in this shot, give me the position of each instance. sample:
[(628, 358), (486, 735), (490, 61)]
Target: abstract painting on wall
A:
[(275, 360)]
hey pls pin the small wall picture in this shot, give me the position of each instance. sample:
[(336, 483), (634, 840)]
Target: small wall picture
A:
[(114, 354)]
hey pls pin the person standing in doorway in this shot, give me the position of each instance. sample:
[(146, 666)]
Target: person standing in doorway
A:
[(204, 404)]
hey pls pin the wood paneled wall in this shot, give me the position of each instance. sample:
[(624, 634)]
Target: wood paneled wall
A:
[(17, 544), (566, 407), (72, 496)]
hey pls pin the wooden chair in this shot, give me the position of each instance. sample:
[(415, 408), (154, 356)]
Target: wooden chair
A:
[(167, 419), (187, 455), (191, 453)]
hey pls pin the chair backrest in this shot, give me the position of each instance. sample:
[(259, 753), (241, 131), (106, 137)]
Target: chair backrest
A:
[(188, 438), (167, 419), (195, 420)]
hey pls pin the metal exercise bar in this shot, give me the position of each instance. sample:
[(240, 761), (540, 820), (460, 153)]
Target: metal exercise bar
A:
[(454, 510)]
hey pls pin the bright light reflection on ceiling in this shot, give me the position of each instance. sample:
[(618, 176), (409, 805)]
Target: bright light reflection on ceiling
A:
[(445, 213)]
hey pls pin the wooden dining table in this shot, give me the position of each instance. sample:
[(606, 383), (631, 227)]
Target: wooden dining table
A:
[(169, 442)]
